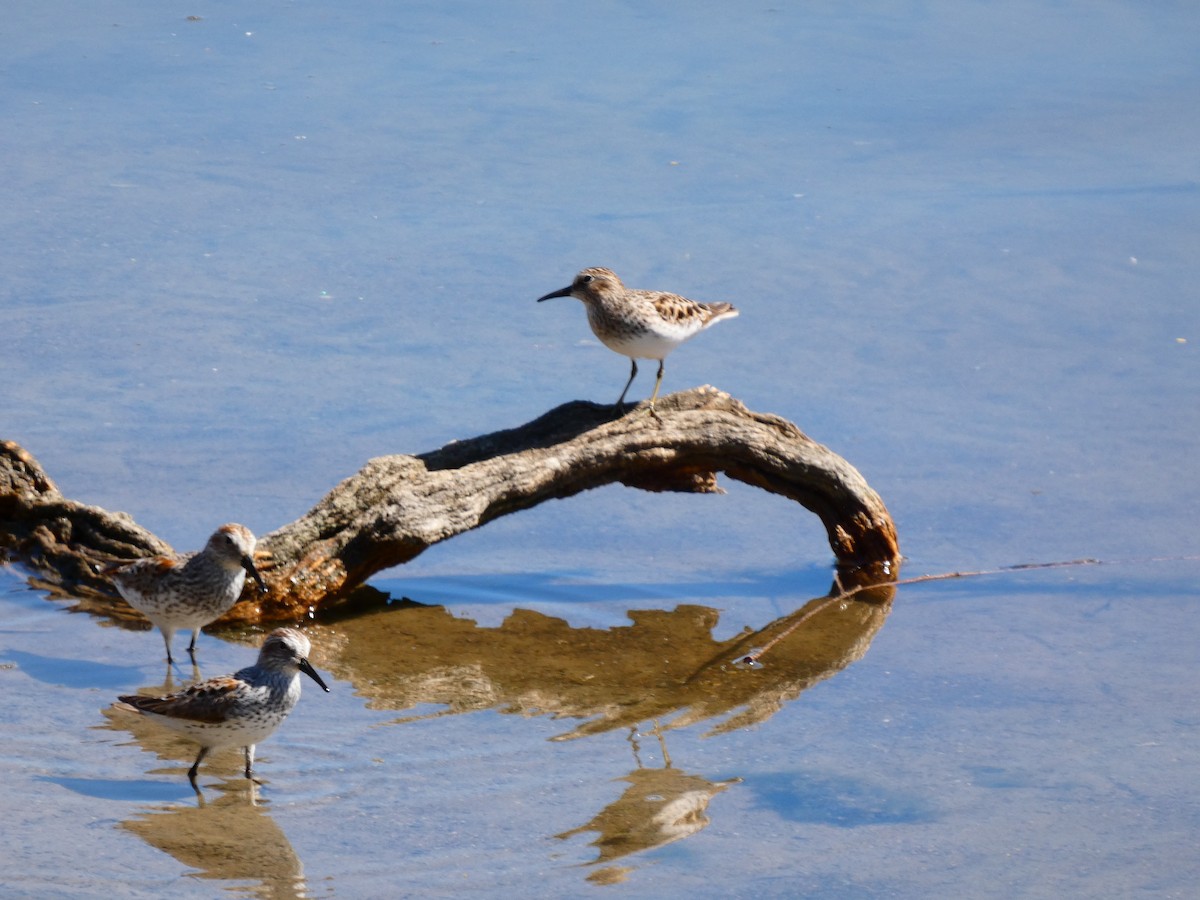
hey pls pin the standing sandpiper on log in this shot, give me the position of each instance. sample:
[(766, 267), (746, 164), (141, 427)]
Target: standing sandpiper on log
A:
[(191, 590), (237, 710), (639, 324)]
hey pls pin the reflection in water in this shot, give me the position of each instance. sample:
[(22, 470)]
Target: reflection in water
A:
[(231, 838), (665, 666), (658, 807)]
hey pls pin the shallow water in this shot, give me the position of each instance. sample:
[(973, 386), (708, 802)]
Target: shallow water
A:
[(246, 253), (1016, 736)]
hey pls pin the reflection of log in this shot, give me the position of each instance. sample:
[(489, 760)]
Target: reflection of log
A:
[(397, 506), (665, 666)]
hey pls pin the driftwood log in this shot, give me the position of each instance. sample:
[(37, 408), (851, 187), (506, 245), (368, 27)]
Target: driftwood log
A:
[(397, 506)]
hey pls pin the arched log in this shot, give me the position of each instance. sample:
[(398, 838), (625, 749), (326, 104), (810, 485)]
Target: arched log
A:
[(397, 506)]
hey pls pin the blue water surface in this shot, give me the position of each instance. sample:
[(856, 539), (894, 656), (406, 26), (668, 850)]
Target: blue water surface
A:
[(248, 249)]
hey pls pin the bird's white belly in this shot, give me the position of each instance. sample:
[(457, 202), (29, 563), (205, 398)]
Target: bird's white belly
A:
[(648, 344)]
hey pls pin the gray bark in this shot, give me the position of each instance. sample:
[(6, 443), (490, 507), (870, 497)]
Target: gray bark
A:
[(397, 506)]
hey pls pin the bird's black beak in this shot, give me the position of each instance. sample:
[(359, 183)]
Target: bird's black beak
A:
[(565, 292), (249, 566), (308, 670)]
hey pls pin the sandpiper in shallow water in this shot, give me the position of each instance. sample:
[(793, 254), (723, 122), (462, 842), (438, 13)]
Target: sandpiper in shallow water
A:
[(238, 710), (639, 324), (191, 590)]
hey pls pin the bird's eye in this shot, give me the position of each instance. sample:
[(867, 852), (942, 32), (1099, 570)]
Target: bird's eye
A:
[(587, 279)]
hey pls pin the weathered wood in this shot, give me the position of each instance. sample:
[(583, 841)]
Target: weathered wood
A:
[(397, 506)]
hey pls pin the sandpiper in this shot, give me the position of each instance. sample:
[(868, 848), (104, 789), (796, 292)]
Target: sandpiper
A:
[(238, 710), (639, 324), (193, 589)]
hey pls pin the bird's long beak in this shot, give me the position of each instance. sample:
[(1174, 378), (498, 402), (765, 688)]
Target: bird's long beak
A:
[(307, 669), (565, 292), (249, 566)]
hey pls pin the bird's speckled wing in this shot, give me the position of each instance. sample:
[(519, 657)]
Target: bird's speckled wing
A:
[(152, 565), (676, 309), (208, 701)]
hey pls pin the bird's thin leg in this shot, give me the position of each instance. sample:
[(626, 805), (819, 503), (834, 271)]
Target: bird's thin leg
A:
[(196, 766), (249, 761), (654, 396), (192, 645), (167, 635), (632, 375), (657, 384)]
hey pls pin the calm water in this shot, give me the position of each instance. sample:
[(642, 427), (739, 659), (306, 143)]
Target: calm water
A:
[(245, 253)]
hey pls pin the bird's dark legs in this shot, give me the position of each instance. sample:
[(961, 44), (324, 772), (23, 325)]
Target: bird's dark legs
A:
[(195, 769), (192, 653), (196, 766), (657, 384), (632, 375)]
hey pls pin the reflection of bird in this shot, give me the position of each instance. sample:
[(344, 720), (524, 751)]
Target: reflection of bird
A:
[(191, 590), (238, 710), (659, 806), (639, 324), (229, 837)]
